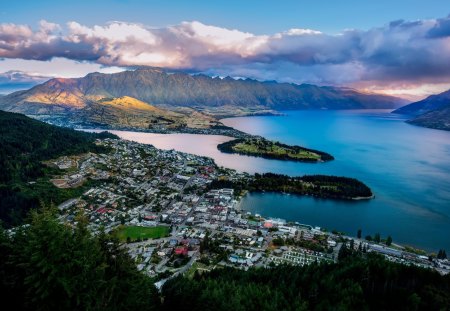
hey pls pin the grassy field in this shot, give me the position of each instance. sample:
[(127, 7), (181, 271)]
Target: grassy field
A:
[(136, 232)]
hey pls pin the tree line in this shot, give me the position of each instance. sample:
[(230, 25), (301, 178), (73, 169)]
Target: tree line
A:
[(355, 283), (323, 186)]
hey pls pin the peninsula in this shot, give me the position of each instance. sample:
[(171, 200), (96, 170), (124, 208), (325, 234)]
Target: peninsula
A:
[(321, 186), (261, 147)]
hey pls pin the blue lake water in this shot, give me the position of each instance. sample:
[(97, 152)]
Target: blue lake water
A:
[(407, 167)]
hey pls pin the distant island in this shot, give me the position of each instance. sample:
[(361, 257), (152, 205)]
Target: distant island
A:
[(261, 147)]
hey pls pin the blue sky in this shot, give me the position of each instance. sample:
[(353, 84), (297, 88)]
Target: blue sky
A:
[(259, 17), (396, 47)]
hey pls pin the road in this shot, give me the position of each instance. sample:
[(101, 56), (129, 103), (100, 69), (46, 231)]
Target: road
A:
[(182, 270)]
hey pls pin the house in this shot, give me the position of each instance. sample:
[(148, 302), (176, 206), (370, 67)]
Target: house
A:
[(181, 250)]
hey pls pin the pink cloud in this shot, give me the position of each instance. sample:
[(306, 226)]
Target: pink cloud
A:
[(398, 52)]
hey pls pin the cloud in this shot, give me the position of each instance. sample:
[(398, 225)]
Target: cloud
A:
[(19, 74), (398, 52), (21, 77), (441, 29), (11, 81)]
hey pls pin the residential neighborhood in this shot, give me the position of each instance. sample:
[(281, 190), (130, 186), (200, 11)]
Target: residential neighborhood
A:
[(161, 204)]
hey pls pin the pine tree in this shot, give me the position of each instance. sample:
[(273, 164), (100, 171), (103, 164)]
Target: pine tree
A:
[(377, 238), (389, 241), (53, 266)]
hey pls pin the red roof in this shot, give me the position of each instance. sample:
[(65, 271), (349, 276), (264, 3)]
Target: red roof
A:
[(102, 210), (181, 250), (268, 224)]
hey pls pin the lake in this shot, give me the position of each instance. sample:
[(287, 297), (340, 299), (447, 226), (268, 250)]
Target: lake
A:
[(407, 167)]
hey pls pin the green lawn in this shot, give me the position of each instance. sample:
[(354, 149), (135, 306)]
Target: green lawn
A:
[(136, 232)]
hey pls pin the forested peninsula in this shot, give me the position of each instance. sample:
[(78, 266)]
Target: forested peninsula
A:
[(263, 148), (323, 186)]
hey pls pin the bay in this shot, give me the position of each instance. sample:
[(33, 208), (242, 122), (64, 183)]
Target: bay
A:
[(407, 167)]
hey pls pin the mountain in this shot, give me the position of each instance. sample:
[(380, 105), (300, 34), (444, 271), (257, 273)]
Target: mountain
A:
[(432, 112), (433, 102), (184, 90)]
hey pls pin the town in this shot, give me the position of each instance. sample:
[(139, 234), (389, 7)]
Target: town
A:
[(164, 208)]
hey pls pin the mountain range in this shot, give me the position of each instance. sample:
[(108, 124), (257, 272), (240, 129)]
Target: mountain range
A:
[(432, 112), (179, 95)]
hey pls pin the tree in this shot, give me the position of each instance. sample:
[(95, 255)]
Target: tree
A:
[(368, 238), (205, 243), (278, 241), (354, 283), (389, 240), (52, 266), (377, 238), (359, 233), (344, 252), (441, 254)]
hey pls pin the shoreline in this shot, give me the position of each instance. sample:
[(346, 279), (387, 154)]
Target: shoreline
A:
[(348, 199), (356, 199)]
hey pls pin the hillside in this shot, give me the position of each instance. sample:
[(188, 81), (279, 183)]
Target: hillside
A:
[(428, 104), (50, 265), (352, 284), (24, 144), (432, 112), (437, 119), (180, 89), (130, 112)]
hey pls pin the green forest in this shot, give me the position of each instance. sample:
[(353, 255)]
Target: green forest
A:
[(24, 144), (354, 283), (52, 266), (323, 186)]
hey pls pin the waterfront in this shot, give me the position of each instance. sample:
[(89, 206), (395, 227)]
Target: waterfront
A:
[(407, 167)]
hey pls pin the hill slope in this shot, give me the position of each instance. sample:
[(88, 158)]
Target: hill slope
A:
[(437, 119), (432, 112), (352, 284), (24, 144), (181, 89), (428, 104), (130, 112)]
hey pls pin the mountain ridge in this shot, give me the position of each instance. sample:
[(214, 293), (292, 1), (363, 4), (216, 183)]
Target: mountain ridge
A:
[(430, 103), (432, 112), (181, 89)]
